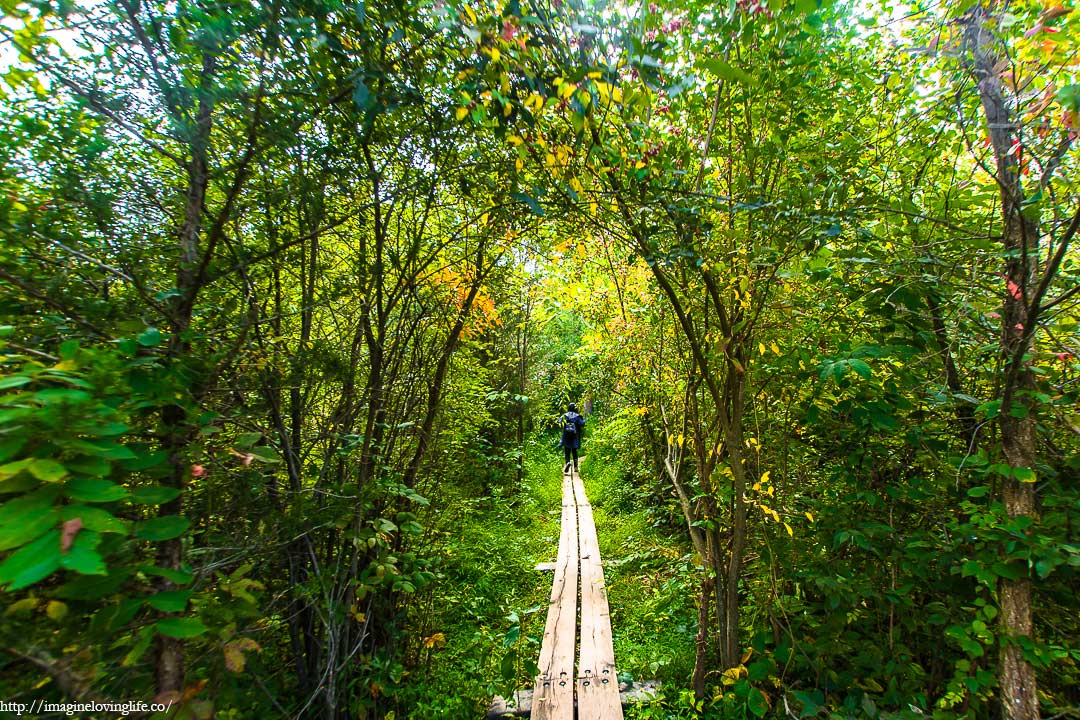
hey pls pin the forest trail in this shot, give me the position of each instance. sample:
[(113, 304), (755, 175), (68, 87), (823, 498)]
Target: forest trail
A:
[(595, 684)]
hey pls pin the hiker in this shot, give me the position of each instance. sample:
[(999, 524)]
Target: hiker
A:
[(573, 424)]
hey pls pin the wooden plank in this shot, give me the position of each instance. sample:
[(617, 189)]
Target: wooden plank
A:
[(521, 703), (597, 680), (553, 693)]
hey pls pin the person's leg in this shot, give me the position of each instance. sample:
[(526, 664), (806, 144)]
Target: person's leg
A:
[(566, 459), (575, 459)]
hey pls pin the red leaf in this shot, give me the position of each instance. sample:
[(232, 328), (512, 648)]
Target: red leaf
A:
[(198, 471), (1014, 290), (67, 535)]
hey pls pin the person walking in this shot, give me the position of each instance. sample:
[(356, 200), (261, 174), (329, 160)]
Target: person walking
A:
[(573, 425)]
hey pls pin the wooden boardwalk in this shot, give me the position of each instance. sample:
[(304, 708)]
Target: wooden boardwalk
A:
[(595, 684)]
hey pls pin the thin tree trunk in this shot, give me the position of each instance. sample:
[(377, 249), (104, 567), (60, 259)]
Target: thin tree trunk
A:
[(169, 652), (701, 641), (1020, 237)]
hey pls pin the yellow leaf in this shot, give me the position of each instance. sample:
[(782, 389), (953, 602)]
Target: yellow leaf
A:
[(809, 516), (775, 349), (22, 606), (518, 164), (460, 113), (789, 531), (485, 218), (761, 348), (756, 486), (732, 674), (508, 108), (437, 640), (235, 661), (495, 54), (515, 140), (746, 656), (595, 75), (639, 164), (470, 14), (765, 476), (56, 610)]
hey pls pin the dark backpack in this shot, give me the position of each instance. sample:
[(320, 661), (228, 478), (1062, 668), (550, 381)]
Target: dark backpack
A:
[(571, 428)]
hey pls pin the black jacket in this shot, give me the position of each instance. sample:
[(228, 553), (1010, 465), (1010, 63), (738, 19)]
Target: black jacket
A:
[(570, 439)]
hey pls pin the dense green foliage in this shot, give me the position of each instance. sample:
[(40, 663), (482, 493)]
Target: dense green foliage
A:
[(291, 294)]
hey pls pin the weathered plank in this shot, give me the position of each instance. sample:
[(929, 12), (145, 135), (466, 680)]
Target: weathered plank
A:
[(520, 705), (597, 681), (553, 693)]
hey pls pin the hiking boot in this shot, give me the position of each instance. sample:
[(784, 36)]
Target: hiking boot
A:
[(566, 468)]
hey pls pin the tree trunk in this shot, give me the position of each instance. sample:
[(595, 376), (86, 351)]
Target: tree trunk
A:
[(1020, 240), (169, 652)]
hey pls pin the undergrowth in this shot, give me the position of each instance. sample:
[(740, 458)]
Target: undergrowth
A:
[(485, 619), (645, 569)]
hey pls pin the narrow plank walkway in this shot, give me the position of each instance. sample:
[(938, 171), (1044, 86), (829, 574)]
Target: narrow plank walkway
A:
[(598, 686), (595, 683), (553, 694)]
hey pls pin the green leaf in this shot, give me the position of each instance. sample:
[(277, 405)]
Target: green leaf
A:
[(82, 556), (154, 494), (529, 200), (93, 587), (1024, 474), (991, 408), (17, 484), (63, 396), (29, 526), (32, 563), (13, 511), (1018, 410), (179, 577), (1010, 571), (181, 627), (170, 600), (13, 381), (12, 469), (144, 459), (86, 465), (758, 671), (47, 470), (756, 703), (861, 368), (362, 95), (163, 528), (1069, 97), (978, 491), (150, 338), (265, 454), (95, 519), (107, 449), (725, 70), (94, 490)]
